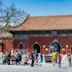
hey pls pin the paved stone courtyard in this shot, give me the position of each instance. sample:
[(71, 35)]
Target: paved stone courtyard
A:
[(37, 68), (44, 67)]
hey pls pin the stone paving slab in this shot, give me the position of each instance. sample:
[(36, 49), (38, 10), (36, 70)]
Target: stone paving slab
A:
[(36, 68), (44, 67)]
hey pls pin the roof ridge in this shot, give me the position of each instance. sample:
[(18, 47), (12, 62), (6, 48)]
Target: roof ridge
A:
[(51, 16)]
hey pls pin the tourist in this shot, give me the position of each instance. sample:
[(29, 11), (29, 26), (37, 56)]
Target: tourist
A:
[(3, 58), (41, 57), (12, 59), (17, 57), (59, 58), (32, 58), (26, 61), (69, 58), (8, 58), (37, 57), (54, 57)]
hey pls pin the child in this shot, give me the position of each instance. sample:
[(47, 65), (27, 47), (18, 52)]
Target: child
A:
[(26, 61)]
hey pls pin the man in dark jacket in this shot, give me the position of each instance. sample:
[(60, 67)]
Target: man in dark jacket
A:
[(32, 58), (8, 58)]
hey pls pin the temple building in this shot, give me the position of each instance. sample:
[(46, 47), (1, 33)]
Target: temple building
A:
[(41, 33), (5, 41)]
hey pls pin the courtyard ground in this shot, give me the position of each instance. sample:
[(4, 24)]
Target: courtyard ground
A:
[(44, 67), (47, 67)]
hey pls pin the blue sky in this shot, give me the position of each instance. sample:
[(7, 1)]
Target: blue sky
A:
[(43, 7)]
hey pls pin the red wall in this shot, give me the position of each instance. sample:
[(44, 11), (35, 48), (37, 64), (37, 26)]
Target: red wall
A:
[(6, 45), (28, 43)]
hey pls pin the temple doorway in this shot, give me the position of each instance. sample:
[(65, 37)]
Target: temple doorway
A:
[(36, 47), (55, 46)]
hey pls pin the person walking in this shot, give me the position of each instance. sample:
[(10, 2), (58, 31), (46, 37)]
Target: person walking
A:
[(32, 58), (41, 57), (3, 58), (54, 57), (26, 61), (8, 58), (59, 58), (69, 58), (36, 57), (17, 57)]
